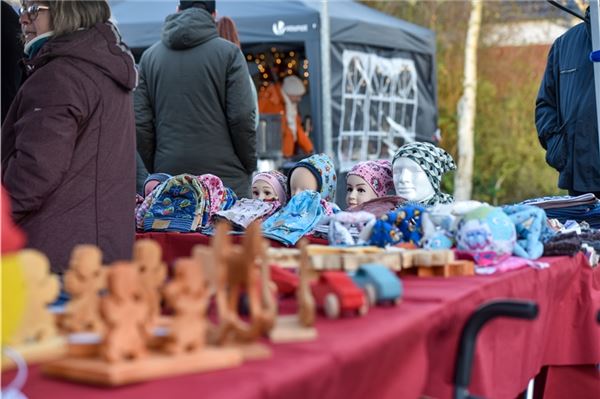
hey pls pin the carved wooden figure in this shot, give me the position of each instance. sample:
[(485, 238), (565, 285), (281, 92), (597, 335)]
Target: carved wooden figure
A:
[(126, 314), (188, 296), (239, 269), (306, 301), (42, 289), (83, 281), (147, 255)]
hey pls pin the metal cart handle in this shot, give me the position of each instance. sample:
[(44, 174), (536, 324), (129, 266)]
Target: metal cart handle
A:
[(518, 309)]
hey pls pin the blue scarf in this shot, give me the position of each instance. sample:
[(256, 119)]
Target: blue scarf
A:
[(33, 47)]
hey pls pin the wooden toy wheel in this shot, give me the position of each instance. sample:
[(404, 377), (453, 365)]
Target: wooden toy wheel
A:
[(363, 309), (371, 294), (332, 306)]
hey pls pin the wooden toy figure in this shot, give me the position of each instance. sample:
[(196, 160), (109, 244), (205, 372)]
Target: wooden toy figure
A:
[(147, 255), (238, 270), (83, 281), (306, 301), (42, 288), (188, 296), (126, 314)]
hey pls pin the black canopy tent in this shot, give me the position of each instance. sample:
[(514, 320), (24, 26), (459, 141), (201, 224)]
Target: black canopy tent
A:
[(363, 41)]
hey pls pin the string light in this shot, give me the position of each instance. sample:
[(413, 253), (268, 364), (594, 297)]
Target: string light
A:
[(273, 63)]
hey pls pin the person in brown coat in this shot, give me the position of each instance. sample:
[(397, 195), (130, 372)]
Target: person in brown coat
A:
[(68, 142)]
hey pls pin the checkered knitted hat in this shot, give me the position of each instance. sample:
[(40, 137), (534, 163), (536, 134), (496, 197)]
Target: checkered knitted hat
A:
[(435, 161)]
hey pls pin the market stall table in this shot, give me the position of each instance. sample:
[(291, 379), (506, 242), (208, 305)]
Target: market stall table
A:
[(408, 350)]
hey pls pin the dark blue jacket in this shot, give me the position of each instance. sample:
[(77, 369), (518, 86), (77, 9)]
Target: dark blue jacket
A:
[(565, 111)]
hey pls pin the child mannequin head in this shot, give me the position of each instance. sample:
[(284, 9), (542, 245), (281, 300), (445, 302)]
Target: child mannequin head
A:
[(418, 169), (154, 180), (270, 186), (315, 173), (302, 179), (368, 180)]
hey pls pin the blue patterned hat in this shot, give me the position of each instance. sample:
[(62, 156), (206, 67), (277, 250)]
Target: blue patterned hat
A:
[(321, 166)]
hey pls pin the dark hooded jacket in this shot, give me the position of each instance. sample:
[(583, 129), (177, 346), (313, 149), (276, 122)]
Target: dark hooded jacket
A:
[(68, 146), (565, 113), (194, 107)]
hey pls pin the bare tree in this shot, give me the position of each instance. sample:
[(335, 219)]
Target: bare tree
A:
[(463, 180)]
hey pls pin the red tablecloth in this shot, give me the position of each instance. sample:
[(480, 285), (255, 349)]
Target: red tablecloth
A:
[(510, 352), (408, 350), (581, 382)]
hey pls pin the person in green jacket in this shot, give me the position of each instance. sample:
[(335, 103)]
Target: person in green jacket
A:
[(194, 107)]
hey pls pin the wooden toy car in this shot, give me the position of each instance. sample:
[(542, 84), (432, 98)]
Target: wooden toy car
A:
[(379, 283), (286, 281), (336, 293)]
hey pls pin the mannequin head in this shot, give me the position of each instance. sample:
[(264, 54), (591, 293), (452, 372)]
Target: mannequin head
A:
[(302, 179), (358, 191), (263, 191), (316, 173), (411, 181), (418, 169), (293, 88), (376, 175), (270, 186), (153, 180)]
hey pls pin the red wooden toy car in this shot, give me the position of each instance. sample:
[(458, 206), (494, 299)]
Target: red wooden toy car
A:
[(336, 293)]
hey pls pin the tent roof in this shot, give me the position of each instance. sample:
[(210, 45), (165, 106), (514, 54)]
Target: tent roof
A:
[(350, 22)]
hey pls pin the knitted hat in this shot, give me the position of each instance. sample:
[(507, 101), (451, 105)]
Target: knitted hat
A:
[(229, 199), (293, 86), (321, 166), (377, 174), (434, 161), (216, 191), (487, 233), (277, 180)]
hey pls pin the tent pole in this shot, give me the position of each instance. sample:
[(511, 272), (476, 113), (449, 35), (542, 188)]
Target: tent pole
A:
[(326, 79), (595, 25)]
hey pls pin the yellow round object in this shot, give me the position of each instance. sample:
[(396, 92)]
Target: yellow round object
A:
[(13, 291)]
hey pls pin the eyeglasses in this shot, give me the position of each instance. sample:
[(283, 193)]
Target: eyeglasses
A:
[(32, 11)]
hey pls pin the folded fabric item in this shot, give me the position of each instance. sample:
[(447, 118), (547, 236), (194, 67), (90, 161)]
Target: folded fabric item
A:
[(216, 192), (580, 213), (178, 205), (350, 228), (484, 231), (561, 201), (298, 218), (509, 264), (529, 222), (563, 244), (142, 208), (379, 206), (485, 258), (229, 199), (402, 225), (330, 208), (440, 223), (246, 210), (440, 239)]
